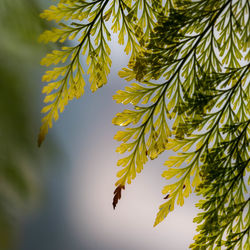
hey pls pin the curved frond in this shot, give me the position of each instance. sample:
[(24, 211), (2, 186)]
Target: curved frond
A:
[(178, 58), (86, 22)]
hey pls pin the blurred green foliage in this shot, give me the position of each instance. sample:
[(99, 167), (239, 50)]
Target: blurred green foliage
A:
[(20, 27)]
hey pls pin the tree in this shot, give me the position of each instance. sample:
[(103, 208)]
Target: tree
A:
[(191, 59)]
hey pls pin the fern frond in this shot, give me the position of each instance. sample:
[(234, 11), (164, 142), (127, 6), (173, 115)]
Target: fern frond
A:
[(69, 78), (89, 27), (171, 53), (209, 139), (148, 139)]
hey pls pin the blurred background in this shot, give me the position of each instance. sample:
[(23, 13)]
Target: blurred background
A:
[(59, 196)]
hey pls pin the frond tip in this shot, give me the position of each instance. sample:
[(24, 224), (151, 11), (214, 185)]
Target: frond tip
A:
[(117, 195)]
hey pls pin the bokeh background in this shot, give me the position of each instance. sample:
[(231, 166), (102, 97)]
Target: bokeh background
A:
[(59, 197)]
